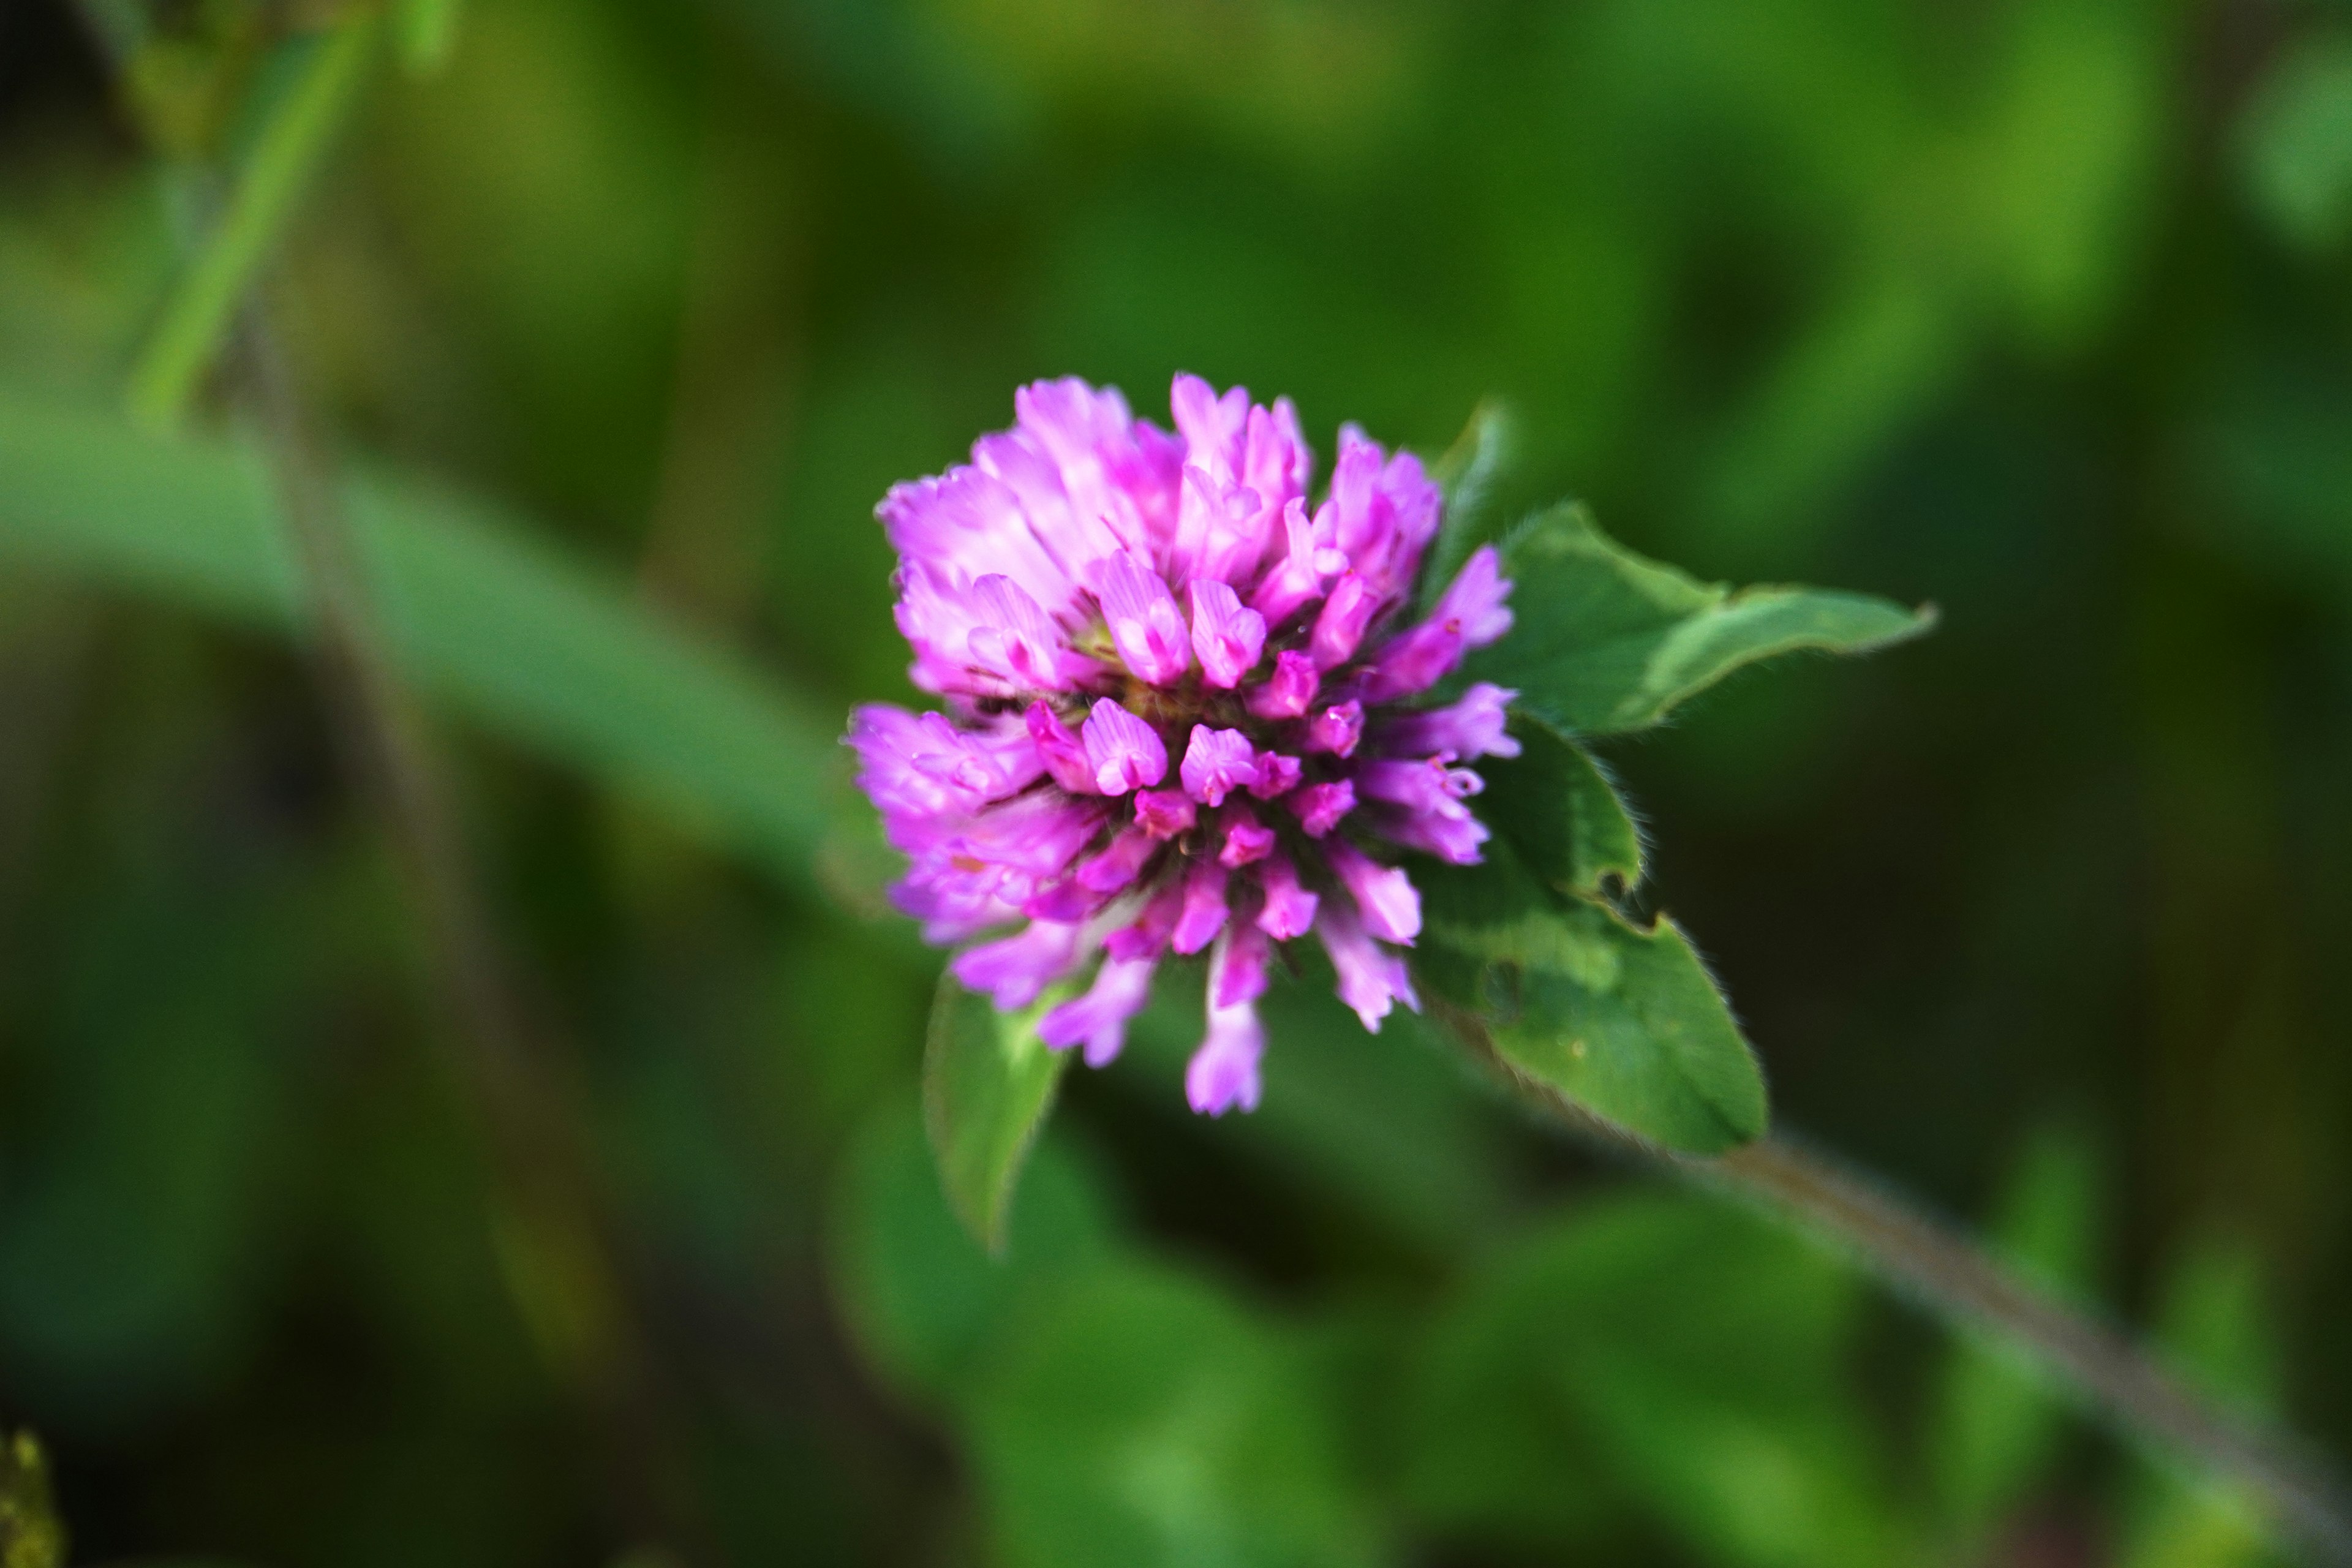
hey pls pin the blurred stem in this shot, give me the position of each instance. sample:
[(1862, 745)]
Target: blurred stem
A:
[(1945, 1272), (548, 1222), (1955, 1279), (201, 310)]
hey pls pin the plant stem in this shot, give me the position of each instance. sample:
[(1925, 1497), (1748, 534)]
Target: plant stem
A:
[(554, 1238), (1947, 1274), (1954, 1279)]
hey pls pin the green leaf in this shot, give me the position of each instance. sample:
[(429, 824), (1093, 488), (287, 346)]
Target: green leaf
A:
[(535, 644), (1996, 1429), (988, 1082), (1557, 809), (1624, 1021), (1138, 1418), (1466, 474), (1607, 641)]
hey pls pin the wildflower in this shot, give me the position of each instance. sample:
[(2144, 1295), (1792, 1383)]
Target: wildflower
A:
[(1179, 712)]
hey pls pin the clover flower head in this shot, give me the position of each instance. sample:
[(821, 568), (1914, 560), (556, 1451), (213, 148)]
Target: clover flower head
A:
[(1182, 713)]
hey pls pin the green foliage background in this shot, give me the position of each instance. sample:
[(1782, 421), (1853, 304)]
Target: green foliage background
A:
[(625, 313)]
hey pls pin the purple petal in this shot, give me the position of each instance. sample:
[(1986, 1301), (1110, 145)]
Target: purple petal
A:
[(1145, 626), (1289, 690), (969, 523), (1014, 638), (920, 766), (1227, 637), (1115, 468), (1163, 812), (1298, 579), (1148, 936), (1217, 762), (1414, 661), (1469, 729), (1013, 971), (1204, 909), (1125, 752), (1117, 866), (1427, 784), (1277, 774), (1370, 977), (1246, 838), (1289, 908), (1339, 627), (1390, 905), (1099, 1016), (1449, 832), (994, 643), (1223, 1072), (1059, 750), (1321, 805), (1237, 966), (1474, 602), (1336, 729), (1383, 512)]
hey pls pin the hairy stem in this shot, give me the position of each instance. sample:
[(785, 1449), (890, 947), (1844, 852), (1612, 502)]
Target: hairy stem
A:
[(1941, 1269), (1951, 1277)]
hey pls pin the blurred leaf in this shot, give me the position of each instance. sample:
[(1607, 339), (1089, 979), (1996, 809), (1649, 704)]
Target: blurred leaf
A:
[(921, 1296), (1691, 1356), (1853, 380), (528, 642), (428, 31), (135, 1234), (300, 129), (2213, 1327), (1626, 1023), (1136, 1417), (1995, 1425), (31, 1534), (2295, 143), (892, 59), (2065, 161), (988, 1082), (1607, 641), (1466, 473)]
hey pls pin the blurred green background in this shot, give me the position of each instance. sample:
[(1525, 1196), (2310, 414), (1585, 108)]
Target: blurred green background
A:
[(2041, 310)]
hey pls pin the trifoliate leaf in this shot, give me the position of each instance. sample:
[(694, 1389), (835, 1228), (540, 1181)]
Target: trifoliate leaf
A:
[(1606, 640), (988, 1082)]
